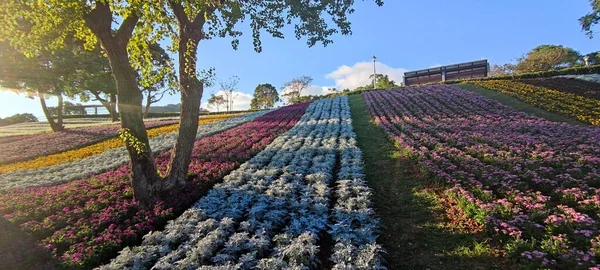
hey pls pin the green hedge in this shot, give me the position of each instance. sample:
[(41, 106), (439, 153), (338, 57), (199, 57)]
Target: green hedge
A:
[(565, 71)]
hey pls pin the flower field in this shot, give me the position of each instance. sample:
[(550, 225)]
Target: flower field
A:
[(84, 222), (578, 107), (534, 184), (109, 158), (26, 147), (568, 85), (94, 149), (273, 211), (586, 77)]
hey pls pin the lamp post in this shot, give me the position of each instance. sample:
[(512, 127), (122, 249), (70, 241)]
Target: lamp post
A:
[(374, 72), (586, 59)]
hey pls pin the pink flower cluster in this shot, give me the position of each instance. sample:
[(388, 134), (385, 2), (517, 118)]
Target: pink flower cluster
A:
[(86, 222), (20, 148), (529, 179)]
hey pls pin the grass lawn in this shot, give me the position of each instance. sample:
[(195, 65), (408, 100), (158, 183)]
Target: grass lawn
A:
[(421, 228), (519, 105)]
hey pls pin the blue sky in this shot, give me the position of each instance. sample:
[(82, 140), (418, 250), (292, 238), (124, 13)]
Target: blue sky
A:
[(403, 34)]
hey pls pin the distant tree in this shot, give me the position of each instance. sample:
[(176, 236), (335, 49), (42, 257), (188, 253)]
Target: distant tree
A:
[(383, 82), (501, 70), (216, 101), (292, 90), (591, 18), (594, 58), (40, 76), (68, 109), (546, 57), (160, 79), (228, 87), (18, 118), (265, 96)]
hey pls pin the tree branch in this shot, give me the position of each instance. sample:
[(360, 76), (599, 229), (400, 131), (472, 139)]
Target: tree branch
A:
[(126, 29), (179, 12), (99, 20)]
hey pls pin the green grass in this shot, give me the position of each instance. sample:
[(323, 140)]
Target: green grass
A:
[(416, 229), (519, 105)]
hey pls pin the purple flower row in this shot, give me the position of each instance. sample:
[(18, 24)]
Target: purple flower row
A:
[(30, 146), (86, 222), (533, 183)]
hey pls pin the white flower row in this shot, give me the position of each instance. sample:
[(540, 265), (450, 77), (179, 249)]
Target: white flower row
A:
[(355, 226), (270, 212), (586, 77), (111, 158)]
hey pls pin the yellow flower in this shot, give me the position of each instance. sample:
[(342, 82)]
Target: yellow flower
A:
[(582, 108)]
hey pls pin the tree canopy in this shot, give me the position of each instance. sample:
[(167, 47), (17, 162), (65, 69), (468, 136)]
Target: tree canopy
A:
[(591, 19), (546, 57), (292, 90), (265, 96)]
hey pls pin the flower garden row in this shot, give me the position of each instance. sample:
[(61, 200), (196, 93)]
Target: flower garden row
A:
[(83, 166), (272, 212), (533, 183), (584, 109), (27, 147), (94, 149), (85, 222), (568, 85)]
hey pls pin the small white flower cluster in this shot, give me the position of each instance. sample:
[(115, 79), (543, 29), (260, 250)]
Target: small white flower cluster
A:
[(586, 77), (271, 212), (109, 159)]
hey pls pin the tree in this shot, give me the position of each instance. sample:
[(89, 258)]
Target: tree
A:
[(383, 82), (292, 90), (546, 57), (228, 87), (591, 18), (593, 58), (161, 79), (501, 70), (216, 101), (39, 77), (18, 118), (265, 96), (140, 23)]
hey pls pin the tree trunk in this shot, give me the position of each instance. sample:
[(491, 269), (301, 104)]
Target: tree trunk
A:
[(191, 92), (113, 107), (148, 102), (145, 178), (53, 125), (110, 105), (59, 113)]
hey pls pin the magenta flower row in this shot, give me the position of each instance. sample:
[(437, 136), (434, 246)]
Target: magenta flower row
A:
[(30, 146), (86, 222), (533, 183)]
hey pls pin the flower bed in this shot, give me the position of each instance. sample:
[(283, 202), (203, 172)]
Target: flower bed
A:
[(94, 149), (568, 85), (85, 222), (272, 211), (533, 183), (32, 146), (584, 109), (111, 158)]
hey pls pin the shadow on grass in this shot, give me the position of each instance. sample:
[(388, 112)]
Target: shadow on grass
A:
[(18, 250), (421, 228)]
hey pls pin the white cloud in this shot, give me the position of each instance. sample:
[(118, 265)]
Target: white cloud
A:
[(358, 75), (241, 101)]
